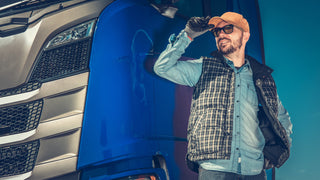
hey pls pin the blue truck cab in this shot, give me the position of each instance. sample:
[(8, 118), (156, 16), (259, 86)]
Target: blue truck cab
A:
[(78, 95)]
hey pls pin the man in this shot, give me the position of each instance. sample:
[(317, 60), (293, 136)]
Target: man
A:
[(237, 126)]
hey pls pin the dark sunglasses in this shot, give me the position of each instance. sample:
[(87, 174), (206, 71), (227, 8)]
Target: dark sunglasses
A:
[(228, 29)]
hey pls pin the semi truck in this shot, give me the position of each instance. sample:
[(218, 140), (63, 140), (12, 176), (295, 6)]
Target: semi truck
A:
[(78, 95)]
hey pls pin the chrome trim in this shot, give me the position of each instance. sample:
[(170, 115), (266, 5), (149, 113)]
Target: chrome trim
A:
[(18, 97), (16, 137), (59, 126), (53, 169), (18, 177)]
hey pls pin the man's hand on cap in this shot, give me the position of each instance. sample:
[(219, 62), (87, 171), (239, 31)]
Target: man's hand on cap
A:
[(197, 26)]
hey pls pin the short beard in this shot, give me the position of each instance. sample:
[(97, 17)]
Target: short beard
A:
[(231, 49), (227, 51)]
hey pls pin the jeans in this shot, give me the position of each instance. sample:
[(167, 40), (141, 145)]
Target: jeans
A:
[(217, 175)]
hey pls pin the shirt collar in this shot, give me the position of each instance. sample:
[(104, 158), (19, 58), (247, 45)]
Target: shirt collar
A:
[(244, 66)]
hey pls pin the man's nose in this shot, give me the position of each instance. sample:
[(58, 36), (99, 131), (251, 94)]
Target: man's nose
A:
[(222, 34)]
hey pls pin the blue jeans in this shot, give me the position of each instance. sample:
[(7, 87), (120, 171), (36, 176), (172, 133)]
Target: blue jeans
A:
[(217, 175)]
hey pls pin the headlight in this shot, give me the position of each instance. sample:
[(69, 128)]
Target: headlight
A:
[(66, 54), (76, 33)]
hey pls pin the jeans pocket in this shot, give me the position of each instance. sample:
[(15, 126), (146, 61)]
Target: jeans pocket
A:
[(258, 156)]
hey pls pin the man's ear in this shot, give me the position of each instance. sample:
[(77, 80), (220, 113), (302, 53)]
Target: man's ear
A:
[(246, 36)]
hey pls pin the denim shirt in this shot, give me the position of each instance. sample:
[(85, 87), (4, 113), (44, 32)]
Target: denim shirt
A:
[(247, 139)]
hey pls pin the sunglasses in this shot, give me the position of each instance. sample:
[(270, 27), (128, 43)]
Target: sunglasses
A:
[(228, 29)]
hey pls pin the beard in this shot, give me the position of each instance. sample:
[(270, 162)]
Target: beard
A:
[(231, 48)]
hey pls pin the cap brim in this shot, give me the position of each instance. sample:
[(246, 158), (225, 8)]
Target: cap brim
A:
[(215, 21)]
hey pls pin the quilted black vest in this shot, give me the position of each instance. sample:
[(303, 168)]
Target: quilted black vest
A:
[(211, 114)]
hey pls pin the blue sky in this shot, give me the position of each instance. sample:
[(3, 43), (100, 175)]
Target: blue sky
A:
[(291, 38)]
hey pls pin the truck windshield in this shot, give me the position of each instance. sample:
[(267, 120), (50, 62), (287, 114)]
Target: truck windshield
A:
[(10, 7)]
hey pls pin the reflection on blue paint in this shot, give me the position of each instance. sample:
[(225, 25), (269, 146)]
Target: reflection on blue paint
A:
[(131, 114), (129, 110), (139, 88)]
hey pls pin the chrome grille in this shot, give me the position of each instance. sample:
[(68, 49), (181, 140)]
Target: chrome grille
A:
[(62, 61), (18, 159), (20, 118)]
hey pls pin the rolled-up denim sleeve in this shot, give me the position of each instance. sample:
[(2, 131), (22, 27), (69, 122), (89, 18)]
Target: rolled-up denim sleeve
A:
[(169, 67), (284, 119)]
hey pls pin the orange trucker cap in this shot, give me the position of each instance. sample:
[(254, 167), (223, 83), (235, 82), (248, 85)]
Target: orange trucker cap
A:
[(231, 18)]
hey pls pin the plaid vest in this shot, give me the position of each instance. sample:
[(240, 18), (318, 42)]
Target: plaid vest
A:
[(211, 114)]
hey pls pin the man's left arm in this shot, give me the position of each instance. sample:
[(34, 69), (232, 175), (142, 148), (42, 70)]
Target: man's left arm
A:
[(284, 119)]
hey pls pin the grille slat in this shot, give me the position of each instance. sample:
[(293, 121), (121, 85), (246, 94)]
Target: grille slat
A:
[(20, 118), (18, 159), (21, 89), (62, 61)]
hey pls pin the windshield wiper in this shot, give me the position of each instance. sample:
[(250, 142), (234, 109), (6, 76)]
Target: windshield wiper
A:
[(26, 5), (11, 3)]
